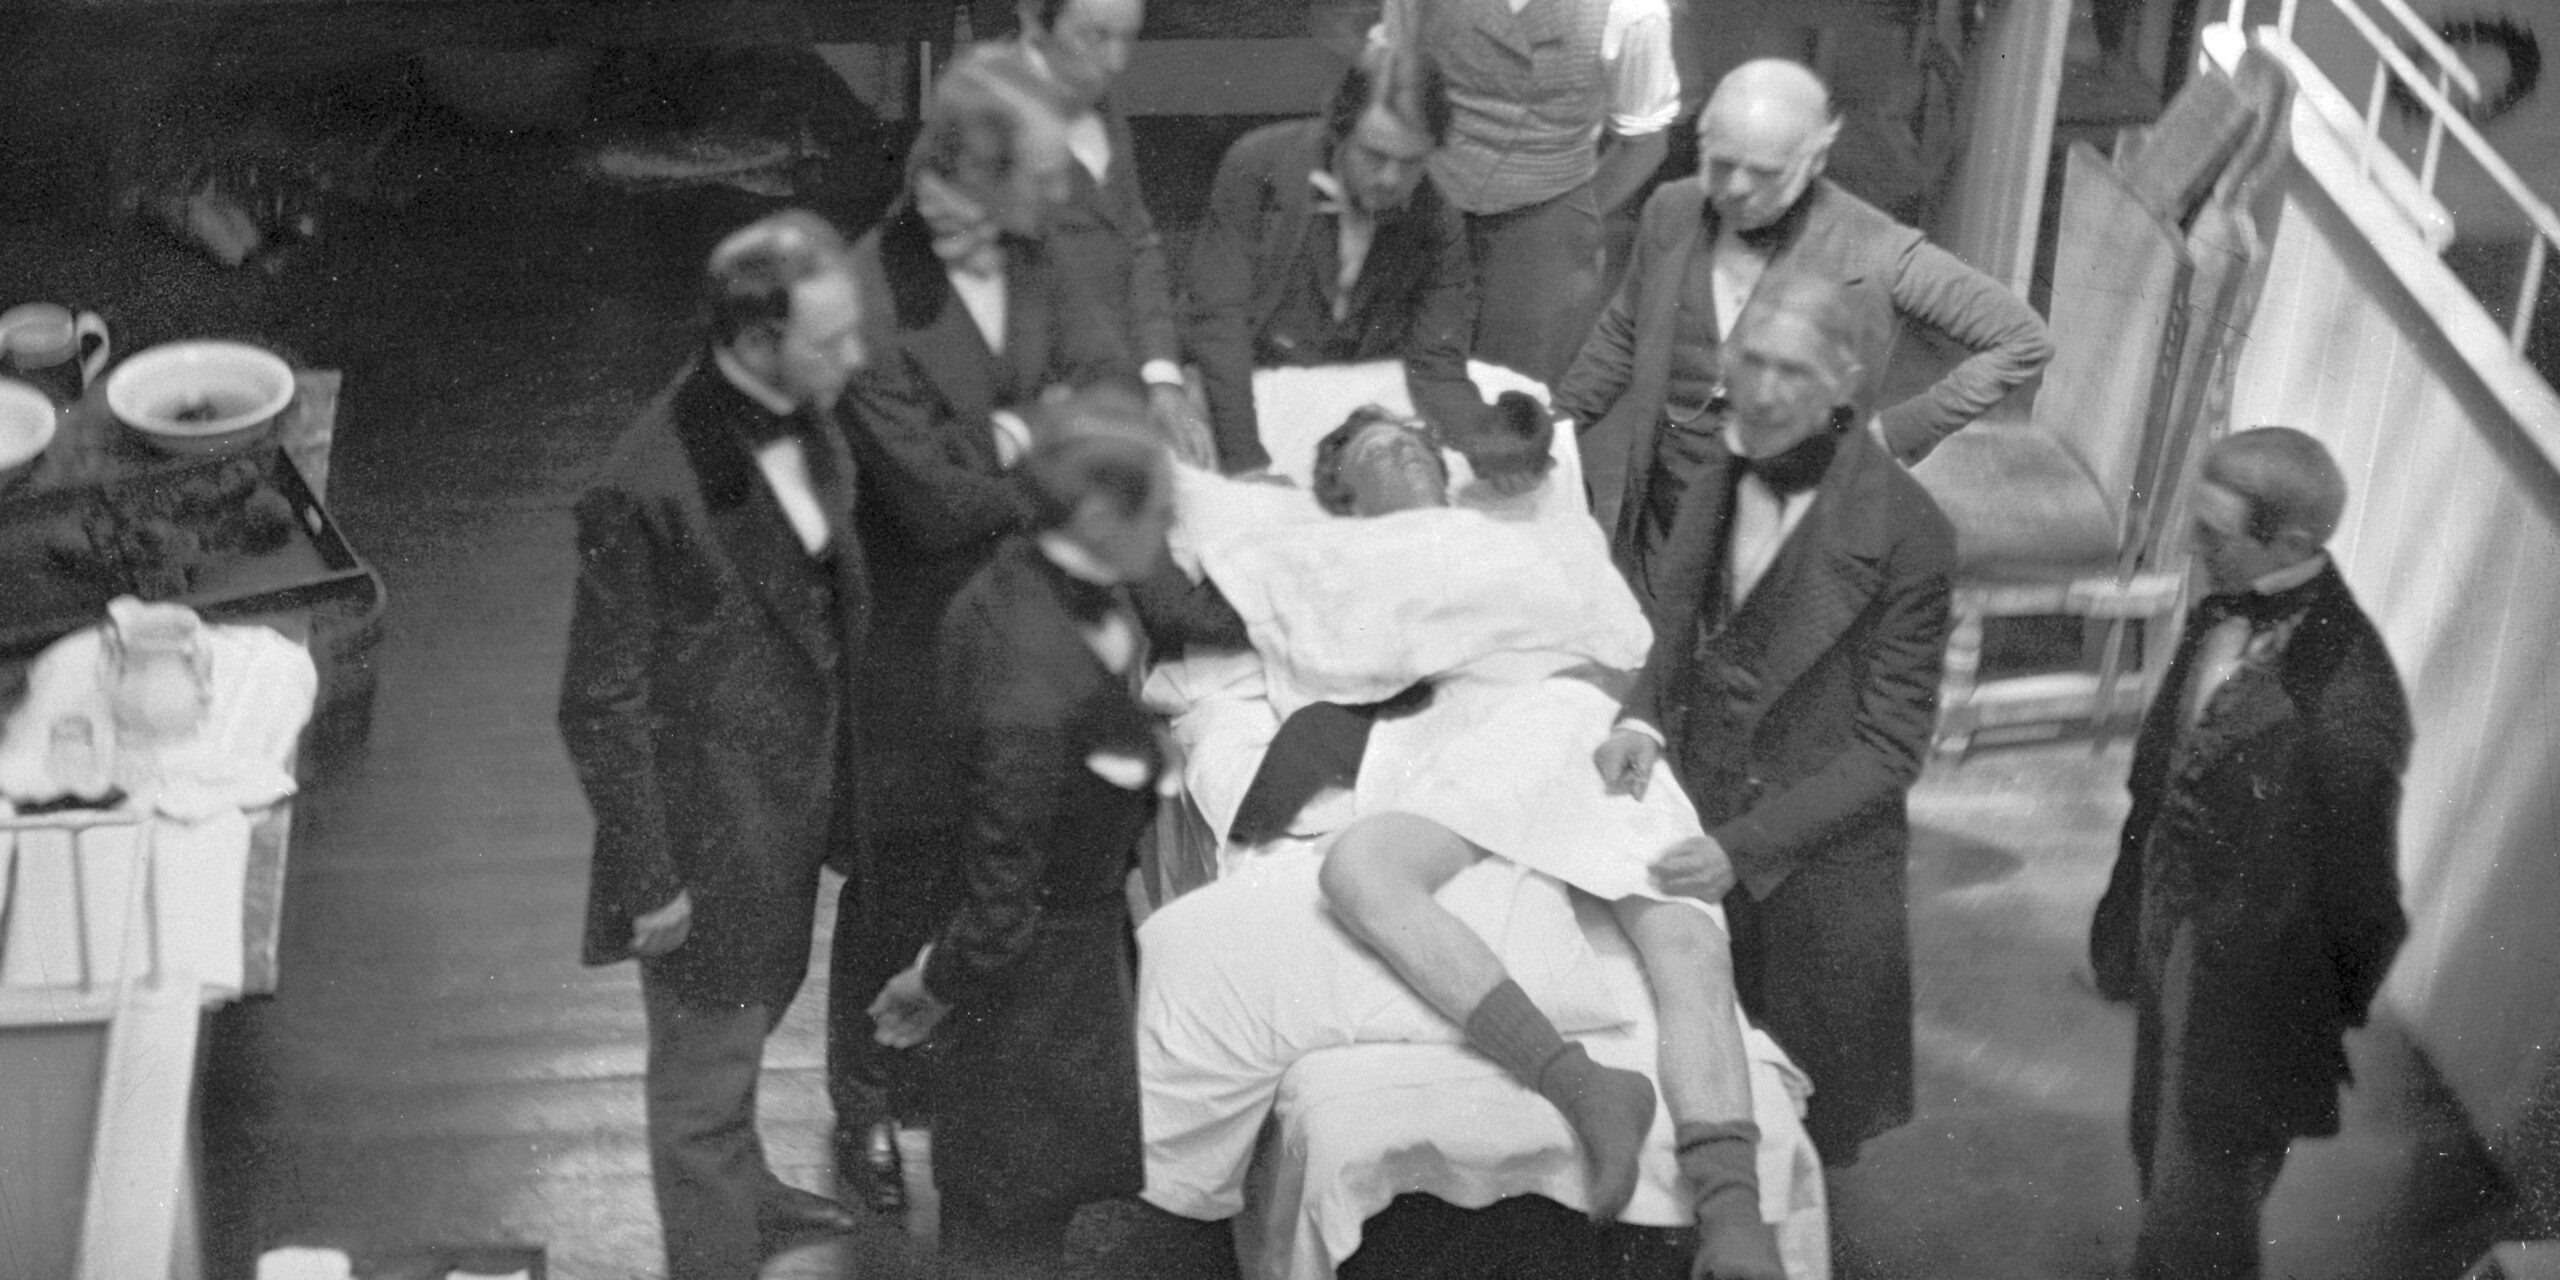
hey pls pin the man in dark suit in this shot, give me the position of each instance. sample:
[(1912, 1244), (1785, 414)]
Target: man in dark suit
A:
[(1026, 988), (1101, 232), (983, 322), (1642, 385), (707, 706), (1324, 244), (2255, 903), (1800, 621)]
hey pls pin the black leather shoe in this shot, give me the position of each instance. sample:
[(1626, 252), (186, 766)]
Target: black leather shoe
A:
[(869, 1170), (790, 1216)]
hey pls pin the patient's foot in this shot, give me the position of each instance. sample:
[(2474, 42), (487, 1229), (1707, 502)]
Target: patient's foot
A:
[(1720, 1162), (1611, 1111)]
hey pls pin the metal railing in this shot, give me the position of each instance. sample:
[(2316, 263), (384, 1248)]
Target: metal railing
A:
[(2433, 88)]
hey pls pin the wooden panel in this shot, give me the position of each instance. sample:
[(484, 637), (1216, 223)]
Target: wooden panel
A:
[(1998, 195), (129, 1219), (42, 947), (2452, 540)]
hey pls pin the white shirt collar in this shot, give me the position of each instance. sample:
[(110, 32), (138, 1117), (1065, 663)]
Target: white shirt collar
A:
[(1077, 562), (756, 389)]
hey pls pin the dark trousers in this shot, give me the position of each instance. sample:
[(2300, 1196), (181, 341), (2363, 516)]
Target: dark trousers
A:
[(866, 1081), (2201, 1218), (983, 1241), (705, 1159), (2203, 1188), (1538, 282)]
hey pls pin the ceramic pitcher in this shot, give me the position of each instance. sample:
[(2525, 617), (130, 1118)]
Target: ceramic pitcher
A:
[(53, 346)]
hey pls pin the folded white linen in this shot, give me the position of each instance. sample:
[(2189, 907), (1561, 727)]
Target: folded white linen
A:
[(1355, 610)]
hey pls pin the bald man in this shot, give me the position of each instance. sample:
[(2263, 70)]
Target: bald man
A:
[(1643, 384), (2255, 903)]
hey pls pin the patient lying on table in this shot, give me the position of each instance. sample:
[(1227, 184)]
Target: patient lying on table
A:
[(1462, 667)]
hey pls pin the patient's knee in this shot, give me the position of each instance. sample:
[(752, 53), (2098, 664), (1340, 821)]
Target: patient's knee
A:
[(1388, 862), (1675, 934)]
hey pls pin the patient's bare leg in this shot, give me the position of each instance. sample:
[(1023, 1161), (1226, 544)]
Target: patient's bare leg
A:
[(1706, 1080), (1703, 1071), (1379, 878)]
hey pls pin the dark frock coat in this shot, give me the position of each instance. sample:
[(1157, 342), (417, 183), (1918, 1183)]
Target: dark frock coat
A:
[(935, 502), (1039, 1078), (2261, 852), (707, 697), (1103, 235), (1263, 268), (1798, 724)]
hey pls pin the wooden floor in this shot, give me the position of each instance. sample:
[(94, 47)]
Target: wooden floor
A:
[(437, 1068)]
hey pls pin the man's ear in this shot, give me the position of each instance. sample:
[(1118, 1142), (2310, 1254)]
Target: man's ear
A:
[(1818, 148)]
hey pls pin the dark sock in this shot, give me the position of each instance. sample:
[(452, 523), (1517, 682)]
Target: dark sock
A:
[(1508, 1027), (1721, 1160), (1609, 1110)]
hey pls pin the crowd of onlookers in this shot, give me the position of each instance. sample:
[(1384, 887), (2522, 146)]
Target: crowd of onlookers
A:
[(856, 592)]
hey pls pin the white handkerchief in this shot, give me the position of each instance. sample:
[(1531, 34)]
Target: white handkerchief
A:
[(1127, 772), (297, 1263)]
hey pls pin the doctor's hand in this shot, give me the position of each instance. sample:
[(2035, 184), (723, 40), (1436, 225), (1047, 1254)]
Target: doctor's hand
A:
[(1626, 762), (658, 932), (1170, 412), (904, 1012), (1695, 869)]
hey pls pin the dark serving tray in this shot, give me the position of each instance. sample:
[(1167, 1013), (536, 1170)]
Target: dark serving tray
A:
[(40, 602)]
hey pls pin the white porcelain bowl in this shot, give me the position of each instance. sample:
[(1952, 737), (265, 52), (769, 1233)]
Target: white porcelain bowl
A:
[(27, 421), (200, 397)]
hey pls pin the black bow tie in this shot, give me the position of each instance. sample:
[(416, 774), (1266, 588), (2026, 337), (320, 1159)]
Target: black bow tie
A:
[(2259, 607), (762, 426), (1086, 602), (1797, 468)]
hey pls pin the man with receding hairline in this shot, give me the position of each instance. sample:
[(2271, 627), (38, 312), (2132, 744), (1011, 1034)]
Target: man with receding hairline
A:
[(2255, 903), (1642, 384), (1324, 243), (707, 705)]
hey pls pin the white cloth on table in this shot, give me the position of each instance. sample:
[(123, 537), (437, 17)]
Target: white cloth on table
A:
[(1251, 1003), (195, 791)]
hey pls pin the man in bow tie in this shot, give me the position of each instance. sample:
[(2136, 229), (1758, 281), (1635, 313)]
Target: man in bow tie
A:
[(1800, 622), (1642, 384), (1325, 244), (1101, 231), (2255, 903), (983, 324), (708, 707)]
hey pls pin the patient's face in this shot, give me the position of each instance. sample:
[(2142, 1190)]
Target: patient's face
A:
[(1391, 466)]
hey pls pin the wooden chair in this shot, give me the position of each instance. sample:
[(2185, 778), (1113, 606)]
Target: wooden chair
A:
[(2054, 506), (2072, 510)]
